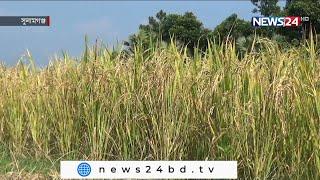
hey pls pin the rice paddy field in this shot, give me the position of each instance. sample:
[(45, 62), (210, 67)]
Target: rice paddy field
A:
[(262, 110)]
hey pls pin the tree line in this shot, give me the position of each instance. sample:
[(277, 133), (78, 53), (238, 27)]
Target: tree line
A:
[(186, 29)]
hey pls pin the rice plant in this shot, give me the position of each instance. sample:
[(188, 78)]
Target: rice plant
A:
[(261, 109)]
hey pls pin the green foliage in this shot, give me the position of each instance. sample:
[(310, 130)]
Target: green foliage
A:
[(186, 29), (233, 28), (266, 7), (305, 8), (310, 8)]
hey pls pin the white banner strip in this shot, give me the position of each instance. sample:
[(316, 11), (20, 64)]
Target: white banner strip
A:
[(148, 169)]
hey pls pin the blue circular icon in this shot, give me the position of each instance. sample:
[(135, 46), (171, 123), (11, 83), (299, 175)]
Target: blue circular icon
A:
[(84, 169)]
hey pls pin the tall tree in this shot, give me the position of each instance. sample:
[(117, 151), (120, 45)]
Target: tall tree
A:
[(309, 8), (233, 28), (186, 29), (266, 7), (303, 8)]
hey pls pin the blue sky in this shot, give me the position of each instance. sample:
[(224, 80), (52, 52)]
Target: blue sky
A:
[(109, 21)]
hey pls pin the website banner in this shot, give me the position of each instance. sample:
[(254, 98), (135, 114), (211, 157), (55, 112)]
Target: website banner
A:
[(148, 169)]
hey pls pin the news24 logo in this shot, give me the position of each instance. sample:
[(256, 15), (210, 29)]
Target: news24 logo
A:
[(289, 21)]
